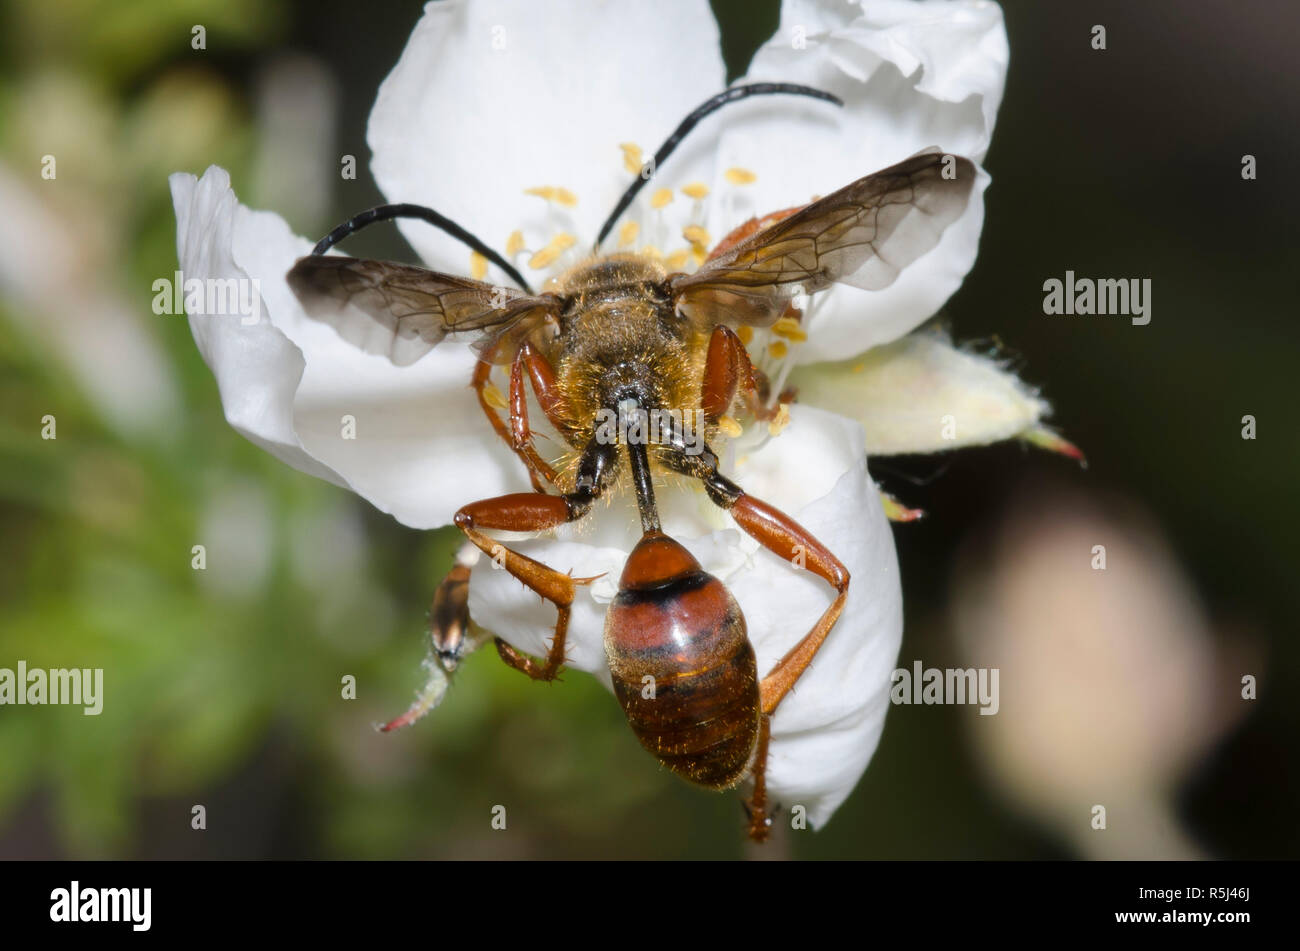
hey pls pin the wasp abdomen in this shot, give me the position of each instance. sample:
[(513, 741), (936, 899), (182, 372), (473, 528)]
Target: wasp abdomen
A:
[(682, 665)]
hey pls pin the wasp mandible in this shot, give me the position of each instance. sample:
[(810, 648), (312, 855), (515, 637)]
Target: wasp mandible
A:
[(618, 335)]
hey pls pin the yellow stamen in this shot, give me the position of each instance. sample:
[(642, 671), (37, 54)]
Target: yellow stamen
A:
[(789, 328), (697, 190), (698, 254), (627, 234), (477, 266), (781, 422), (494, 397), (661, 198), (778, 349), (549, 254), (859, 367), (514, 243), (677, 260), (561, 196), (651, 251), (631, 157), (729, 427), (740, 176), (746, 334), (696, 235)]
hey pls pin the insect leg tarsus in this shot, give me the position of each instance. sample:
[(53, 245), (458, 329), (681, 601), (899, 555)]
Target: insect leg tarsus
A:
[(760, 820)]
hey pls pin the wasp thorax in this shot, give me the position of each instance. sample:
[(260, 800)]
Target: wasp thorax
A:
[(682, 665)]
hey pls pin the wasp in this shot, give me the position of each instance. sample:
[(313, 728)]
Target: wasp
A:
[(618, 337)]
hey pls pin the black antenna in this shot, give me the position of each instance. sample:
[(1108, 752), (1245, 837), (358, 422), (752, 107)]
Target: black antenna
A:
[(386, 212), (734, 94)]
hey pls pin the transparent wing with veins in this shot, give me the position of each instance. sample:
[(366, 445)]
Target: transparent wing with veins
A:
[(401, 311), (863, 235)]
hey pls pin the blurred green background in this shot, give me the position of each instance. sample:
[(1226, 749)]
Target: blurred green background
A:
[(223, 686)]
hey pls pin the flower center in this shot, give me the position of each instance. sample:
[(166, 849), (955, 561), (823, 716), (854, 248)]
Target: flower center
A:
[(649, 227)]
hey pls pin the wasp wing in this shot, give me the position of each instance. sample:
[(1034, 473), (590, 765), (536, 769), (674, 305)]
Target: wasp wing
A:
[(401, 311), (862, 235)]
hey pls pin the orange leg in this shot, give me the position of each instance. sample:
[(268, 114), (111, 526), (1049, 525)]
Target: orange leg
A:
[(728, 370), (532, 512), (785, 537), (539, 472), (524, 512), (542, 378)]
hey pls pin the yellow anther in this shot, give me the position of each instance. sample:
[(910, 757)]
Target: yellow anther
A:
[(729, 427), (778, 349), (494, 397), (651, 251), (561, 196), (477, 266), (859, 367), (631, 157), (740, 176), (549, 254), (697, 190), (677, 260), (661, 198), (781, 422), (699, 254), (746, 334), (696, 235), (790, 329), (514, 243), (627, 234)]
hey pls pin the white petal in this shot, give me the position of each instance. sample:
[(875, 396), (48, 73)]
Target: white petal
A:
[(491, 98), (960, 46), (826, 730), (912, 75), (257, 368), (416, 438), (921, 394)]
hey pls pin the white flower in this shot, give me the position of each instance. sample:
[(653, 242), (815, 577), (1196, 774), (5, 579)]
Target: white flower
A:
[(491, 99)]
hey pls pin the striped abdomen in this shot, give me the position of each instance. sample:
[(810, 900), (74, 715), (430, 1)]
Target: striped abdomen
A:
[(676, 624)]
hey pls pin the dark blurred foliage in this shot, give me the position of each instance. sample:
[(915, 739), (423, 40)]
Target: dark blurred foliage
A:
[(225, 691)]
